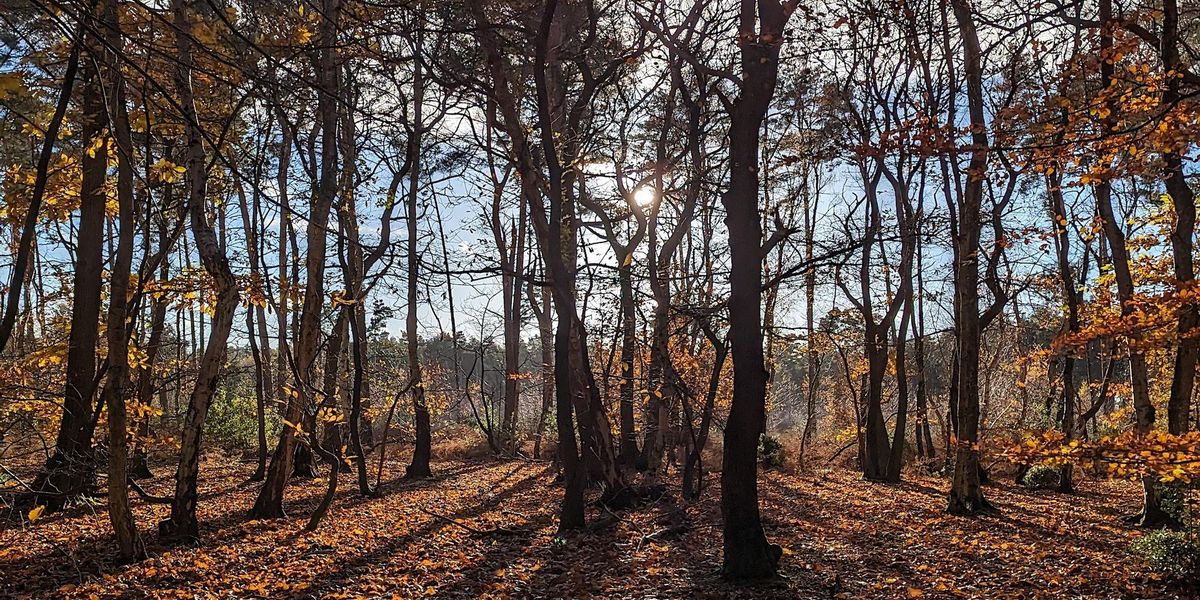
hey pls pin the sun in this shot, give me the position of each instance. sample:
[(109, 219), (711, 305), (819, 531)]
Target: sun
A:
[(644, 196)]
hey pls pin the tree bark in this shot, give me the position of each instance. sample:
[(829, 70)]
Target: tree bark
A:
[(1151, 514), (419, 467), (117, 384), (966, 491), (747, 553), (71, 469), (182, 525), (269, 503)]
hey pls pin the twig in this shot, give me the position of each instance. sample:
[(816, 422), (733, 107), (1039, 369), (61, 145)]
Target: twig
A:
[(474, 530)]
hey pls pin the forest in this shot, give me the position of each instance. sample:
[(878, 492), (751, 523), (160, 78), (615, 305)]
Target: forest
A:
[(599, 298)]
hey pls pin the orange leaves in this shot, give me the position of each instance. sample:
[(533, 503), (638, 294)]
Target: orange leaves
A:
[(1157, 454)]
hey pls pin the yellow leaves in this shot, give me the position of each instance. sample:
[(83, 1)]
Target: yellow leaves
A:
[(165, 171), (12, 84), (1157, 454), (95, 145), (303, 35), (138, 359), (329, 414), (915, 592), (36, 513), (341, 298)]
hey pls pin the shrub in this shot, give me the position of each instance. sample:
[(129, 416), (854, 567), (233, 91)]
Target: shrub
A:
[(1041, 477), (771, 452), (1171, 553), (232, 422), (1173, 499)]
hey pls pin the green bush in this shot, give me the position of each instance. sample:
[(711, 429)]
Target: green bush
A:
[(1173, 499), (232, 422), (1171, 553), (771, 452), (1041, 477)]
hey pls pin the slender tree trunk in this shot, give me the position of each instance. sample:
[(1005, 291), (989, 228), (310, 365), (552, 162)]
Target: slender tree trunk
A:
[(117, 380), (628, 453), (1182, 239), (71, 467), (966, 491), (27, 246), (542, 309), (1058, 214), (269, 503), (139, 468), (259, 348), (419, 467), (896, 456), (1151, 514), (812, 354), (923, 429), (182, 525), (693, 467)]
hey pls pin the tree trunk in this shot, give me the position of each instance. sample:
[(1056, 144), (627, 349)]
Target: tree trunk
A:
[(419, 467), (546, 339), (1058, 214), (71, 467), (259, 348), (27, 246), (966, 491), (182, 525), (1182, 236), (117, 380), (628, 453), (1151, 514), (269, 503), (747, 553)]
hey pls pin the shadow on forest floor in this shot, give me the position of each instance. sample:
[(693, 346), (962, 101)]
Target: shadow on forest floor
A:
[(488, 529)]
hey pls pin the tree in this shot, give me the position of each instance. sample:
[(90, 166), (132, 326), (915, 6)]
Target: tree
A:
[(966, 490), (747, 554), (182, 523)]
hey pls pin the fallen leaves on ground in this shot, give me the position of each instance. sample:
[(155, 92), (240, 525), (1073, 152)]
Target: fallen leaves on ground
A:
[(487, 529)]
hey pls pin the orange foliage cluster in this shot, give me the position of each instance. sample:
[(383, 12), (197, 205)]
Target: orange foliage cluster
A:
[(1157, 454)]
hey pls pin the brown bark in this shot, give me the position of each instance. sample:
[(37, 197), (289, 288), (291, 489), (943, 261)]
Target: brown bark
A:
[(117, 384), (1183, 199), (747, 553), (542, 308), (1071, 295), (1139, 379), (419, 467), (182, 524), (966, 491), (71, 469), (269, 503)]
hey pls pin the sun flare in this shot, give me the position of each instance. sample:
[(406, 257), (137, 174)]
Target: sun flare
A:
[(644, 196)]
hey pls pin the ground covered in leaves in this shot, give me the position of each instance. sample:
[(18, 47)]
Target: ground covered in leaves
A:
[(487, 529)]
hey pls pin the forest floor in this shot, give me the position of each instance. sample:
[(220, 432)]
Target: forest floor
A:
[(487, 529)]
